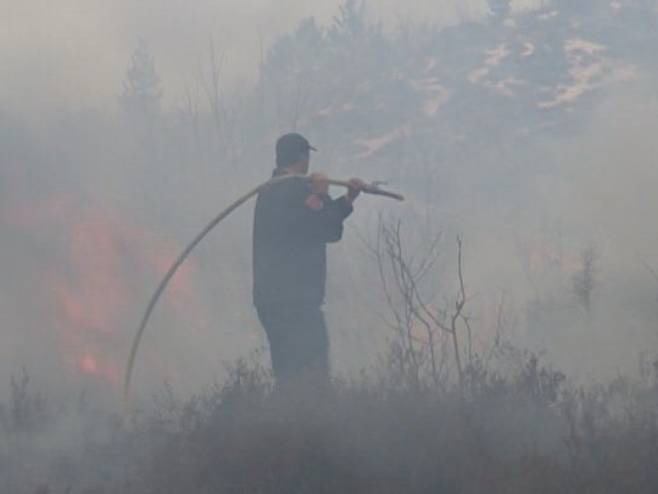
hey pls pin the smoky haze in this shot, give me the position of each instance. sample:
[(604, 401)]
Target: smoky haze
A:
[(530, 137), (495, 332), (73, 54)]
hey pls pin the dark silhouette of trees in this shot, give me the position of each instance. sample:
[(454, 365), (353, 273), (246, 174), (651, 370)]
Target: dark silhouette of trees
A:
[(584, 281), (350, 21), (142, 90)]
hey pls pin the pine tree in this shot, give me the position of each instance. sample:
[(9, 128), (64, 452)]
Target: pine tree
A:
[(141, 88)]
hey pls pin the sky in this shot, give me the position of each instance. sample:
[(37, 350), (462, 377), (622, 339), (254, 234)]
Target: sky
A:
[(73, 53)]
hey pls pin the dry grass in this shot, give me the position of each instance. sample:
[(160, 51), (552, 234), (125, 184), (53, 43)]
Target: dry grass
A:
[(525, 432)]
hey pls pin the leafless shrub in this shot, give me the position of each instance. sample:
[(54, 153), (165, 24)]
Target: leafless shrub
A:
[(424, 330), (418, 349)]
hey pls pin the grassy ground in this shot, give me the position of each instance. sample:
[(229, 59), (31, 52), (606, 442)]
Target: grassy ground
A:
[(528, 431)]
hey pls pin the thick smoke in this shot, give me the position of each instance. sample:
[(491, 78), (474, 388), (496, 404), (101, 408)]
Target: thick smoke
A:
[(525, 129), (99, 199), (73, 54)]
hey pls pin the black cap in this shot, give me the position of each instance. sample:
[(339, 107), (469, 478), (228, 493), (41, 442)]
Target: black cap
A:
[(290, 148)]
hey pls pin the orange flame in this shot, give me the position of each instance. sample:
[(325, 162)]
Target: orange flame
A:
[(97, 260)]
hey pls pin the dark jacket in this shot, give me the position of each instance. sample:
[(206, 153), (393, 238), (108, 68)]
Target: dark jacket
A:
[(291, 230)]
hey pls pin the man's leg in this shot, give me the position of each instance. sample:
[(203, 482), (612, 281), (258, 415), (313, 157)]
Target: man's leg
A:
[(276, 322), (315, 342), (298, 340)]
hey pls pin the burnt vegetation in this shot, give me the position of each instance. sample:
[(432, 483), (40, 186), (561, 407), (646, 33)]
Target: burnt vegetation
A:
[(523, 430)]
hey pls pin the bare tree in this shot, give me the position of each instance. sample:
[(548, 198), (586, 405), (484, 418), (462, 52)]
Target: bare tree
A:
[(421, 326), (212, 86), (189, 113), (222, 132)]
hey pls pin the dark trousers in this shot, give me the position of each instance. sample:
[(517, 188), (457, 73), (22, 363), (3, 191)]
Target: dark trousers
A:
[(299, 344)]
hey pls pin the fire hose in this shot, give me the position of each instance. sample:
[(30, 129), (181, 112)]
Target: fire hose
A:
[(368, 189)]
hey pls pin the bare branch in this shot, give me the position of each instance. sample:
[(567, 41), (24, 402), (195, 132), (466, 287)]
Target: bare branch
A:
[(459, 306)]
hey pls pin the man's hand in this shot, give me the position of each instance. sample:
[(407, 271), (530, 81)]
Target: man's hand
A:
[(355, 188), (319, 183)]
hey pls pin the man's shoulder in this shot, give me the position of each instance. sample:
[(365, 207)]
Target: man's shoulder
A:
[(289, 188)]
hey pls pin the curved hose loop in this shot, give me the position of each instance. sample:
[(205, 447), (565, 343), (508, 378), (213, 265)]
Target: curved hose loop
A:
[(371, 189)]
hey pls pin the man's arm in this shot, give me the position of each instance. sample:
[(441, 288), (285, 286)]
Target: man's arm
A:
[(313, 214)]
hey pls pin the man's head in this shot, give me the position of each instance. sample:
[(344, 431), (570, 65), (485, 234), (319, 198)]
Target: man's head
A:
[(293, 151)]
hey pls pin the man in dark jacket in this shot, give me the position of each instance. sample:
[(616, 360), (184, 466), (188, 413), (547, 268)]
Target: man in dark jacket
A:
[(293, 222)]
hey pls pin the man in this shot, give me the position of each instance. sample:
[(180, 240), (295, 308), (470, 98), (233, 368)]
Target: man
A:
[(294, 221)]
